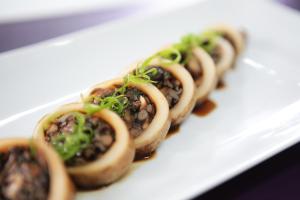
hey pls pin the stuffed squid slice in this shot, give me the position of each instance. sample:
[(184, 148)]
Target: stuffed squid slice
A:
[(220, 50), (199, 64), (172, 79), (141, 105), (32, 171), (96, 148), (235, 37)]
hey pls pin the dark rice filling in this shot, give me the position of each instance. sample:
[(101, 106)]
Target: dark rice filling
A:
[(216, 54), (195, 70), (167, 84), (139, 112), (104, 137), (216, 51), (23, 175)]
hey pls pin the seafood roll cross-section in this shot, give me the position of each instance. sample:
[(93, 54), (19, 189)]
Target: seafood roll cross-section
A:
[(32, 171), (235, 37), (141, 105), (199, 64), (220, 50), (96, 148), (172, 79)]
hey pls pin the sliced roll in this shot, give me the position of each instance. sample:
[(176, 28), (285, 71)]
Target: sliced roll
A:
[(30, 170), (220, 50), (203, 70), (176, 84), (96, 148), (223, 56), (233, 35), (200, 66), (146, 112), (198, 63)]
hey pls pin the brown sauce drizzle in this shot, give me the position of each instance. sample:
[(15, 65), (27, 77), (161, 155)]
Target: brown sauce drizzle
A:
[(173, 130), (146, 157), (92, 189), (221, 85), (204, 108)]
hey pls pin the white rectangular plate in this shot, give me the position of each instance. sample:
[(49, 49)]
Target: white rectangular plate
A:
[(257, 115)]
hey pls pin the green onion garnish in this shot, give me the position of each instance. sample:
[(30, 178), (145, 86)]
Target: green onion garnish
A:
[(68, 145)]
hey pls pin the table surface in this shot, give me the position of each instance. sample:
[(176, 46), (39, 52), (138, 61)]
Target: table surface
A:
[(275, 178)]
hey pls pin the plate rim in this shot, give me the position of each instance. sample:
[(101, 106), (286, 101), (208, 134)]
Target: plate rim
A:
[(193, 192)]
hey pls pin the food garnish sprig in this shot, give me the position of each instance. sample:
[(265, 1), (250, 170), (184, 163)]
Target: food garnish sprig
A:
[(207, 40), (117, 101), (142, 72), (68, 145)]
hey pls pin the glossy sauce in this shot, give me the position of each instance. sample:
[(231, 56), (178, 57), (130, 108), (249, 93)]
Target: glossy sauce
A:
[(147, 157), (204, 108), (221, 85), (92, 189), (173, 130)]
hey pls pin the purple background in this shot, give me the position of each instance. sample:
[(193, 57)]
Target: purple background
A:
[(15, 35), (276, 178)]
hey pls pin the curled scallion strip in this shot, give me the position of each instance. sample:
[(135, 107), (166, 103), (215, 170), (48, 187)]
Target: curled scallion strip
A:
[(209, 40), (185, 46), (170, 55), (206, 40), (116, 103), (187, 42), (142, 74), (67, 145), (166, 56)]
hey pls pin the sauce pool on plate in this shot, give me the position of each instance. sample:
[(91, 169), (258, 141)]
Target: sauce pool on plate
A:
[(204, 108), (173, 130), (221, 85), (147, 157)]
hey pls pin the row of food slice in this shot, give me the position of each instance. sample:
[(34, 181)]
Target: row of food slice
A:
[(95, 140)]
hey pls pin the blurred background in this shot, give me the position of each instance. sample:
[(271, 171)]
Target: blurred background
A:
[(27, 22), (24, 23)]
